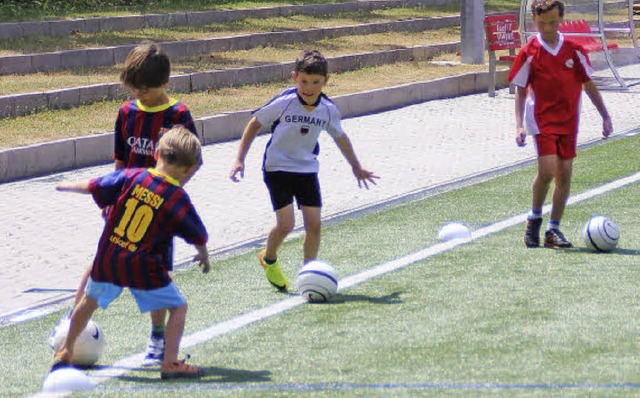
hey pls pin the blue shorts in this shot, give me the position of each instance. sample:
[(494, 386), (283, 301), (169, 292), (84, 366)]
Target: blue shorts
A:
[(147, 300)]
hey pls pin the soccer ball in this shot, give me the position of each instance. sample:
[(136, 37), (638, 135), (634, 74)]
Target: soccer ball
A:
[(66, 380), (317, 281), (601, 234), (88, 347), (454, 230)]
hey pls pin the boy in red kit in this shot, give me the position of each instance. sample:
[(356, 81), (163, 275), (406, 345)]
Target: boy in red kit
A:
[(550, 73), (148, 208)]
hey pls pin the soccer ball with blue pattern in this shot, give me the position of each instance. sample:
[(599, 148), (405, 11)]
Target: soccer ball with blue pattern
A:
[(601, 234), (317, 281)]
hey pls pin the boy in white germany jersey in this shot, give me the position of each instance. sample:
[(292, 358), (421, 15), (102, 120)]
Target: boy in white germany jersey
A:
[(295, 118)]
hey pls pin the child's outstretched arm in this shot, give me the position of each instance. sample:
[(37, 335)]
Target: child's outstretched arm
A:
[(250, 131), (344, 143), (74, 186), (203, 258), (595, 97)]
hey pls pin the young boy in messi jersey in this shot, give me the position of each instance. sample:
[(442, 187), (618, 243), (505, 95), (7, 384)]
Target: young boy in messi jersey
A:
[(296, 118), (550, 73), (148, 208), (138, 127)]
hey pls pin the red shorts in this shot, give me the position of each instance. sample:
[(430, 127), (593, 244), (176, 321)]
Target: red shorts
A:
[(563, 145)]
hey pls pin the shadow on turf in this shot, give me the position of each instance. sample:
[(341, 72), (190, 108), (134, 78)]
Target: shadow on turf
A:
[(211, 374), (393, 298), (616, 251)]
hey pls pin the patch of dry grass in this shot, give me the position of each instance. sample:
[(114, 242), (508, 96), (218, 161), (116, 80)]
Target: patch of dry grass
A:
[(232, 59), (100, 117), (38, 44)]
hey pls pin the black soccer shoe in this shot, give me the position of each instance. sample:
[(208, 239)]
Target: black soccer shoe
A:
[(532, 233), (554, 239)]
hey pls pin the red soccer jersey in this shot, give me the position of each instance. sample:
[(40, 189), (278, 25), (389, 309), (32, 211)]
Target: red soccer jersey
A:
[(553, 78), (138, 129), (149, 209)]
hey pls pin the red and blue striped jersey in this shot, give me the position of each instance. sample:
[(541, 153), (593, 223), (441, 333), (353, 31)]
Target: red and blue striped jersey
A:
[(148, 210), (138, 130)]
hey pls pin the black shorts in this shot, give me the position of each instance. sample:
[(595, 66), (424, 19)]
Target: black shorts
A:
[(284, 186)]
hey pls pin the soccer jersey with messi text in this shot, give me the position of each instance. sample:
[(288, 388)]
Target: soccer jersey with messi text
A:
[(553, 77), (293, 146), (149, 209), (138, 128)]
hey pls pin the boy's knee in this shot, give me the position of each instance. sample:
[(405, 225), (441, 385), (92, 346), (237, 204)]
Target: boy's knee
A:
[(313, 228), (182, 309), (89, 303), (285, 227)]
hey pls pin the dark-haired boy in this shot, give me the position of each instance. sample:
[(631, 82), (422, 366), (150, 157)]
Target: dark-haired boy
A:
[(550, 73), (138, 127)]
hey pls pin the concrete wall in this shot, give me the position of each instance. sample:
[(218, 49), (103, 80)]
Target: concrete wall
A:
[(68, 154), (16, 30), (23, 104), (108, 56)]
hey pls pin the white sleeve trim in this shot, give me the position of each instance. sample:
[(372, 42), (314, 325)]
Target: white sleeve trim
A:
[(585, 63), (522, 77)]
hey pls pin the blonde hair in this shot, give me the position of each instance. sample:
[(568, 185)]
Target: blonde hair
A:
[(180, 147)]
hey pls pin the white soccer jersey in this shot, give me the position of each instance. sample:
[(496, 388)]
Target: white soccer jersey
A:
[(293, 146)]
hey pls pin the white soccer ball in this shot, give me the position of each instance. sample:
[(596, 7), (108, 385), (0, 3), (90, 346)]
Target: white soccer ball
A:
[(454, 230), (601, 234), (88, 347), (66, 380), (317, 281)]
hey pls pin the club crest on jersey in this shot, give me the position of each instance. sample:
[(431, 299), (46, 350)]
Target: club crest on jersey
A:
[(569, 63), (304, 130)]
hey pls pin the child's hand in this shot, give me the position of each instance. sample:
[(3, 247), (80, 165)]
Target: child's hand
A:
[(238, 167), (363, 176), (203, 262), (607, 127), (63, 186), (521, 136)]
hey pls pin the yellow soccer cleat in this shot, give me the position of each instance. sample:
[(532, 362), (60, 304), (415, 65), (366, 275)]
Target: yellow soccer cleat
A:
[(274, 273)]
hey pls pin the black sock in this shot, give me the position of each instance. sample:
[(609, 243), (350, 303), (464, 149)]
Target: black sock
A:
[(157, 332)]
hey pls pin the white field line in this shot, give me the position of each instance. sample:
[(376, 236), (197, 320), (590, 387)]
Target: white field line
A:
[(223, 328)]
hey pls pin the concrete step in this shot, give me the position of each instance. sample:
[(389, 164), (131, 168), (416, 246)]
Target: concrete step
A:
[(16, 30), (112, 55), (42, 159), (27, 103)]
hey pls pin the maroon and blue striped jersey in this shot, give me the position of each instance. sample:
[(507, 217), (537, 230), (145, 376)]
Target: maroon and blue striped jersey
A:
[(148, 210), (138, 130)]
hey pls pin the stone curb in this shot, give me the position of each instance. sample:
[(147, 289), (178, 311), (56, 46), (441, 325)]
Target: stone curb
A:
[(23, 104), (16, 30), (108, 56), (74, 153)]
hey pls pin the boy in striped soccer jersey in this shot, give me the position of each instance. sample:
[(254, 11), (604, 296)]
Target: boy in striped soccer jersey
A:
[(138, 127), (290, 168), (550, 73), (148, 208)]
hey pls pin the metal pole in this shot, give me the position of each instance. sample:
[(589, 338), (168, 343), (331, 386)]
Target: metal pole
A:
[(471, 33)]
